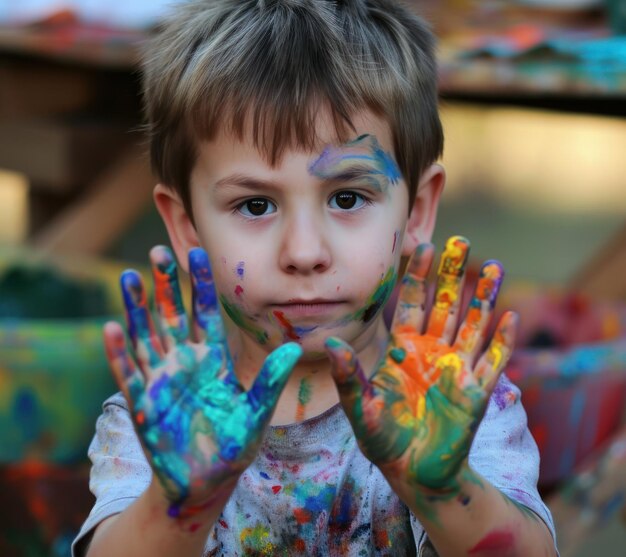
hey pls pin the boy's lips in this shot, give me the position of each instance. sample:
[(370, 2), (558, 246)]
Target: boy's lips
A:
[(307, 308)]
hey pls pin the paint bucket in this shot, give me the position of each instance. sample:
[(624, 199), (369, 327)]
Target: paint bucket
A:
[(53, 372), (570, 365), (574, 399)]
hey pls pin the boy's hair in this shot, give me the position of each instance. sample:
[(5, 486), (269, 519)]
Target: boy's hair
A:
[(271, 66)]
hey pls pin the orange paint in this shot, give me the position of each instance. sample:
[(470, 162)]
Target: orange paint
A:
[(302, 516), (163, 294), (419, 364)]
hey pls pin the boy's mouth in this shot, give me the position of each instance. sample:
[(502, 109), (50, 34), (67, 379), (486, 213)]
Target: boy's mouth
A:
[(307, 308)]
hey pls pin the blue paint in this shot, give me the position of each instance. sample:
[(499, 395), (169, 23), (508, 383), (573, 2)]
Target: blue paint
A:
[(321, 501), (240, 269)]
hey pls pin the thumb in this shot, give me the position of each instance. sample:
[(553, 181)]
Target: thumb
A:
[(273, 377), (353, 387)]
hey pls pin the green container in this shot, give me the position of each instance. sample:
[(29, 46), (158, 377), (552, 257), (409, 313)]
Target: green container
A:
[(53, 379), (54, 375)]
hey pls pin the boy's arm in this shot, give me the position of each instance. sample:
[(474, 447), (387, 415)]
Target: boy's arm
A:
[(417, 416), (478, 521), (145, 528), (188, 409)]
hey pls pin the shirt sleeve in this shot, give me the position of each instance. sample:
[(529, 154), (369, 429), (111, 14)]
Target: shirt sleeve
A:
[(505, 454), (119, 473)]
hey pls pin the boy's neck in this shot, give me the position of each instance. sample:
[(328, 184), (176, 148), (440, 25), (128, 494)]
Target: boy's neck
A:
[(311, 389)]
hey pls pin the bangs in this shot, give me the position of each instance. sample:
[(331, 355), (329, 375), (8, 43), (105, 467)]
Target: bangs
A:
[(273, 85)]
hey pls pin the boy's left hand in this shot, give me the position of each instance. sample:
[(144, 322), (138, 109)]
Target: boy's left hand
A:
[(415, 418)]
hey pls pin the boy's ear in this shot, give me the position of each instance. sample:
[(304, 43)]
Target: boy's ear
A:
[(423, 215), (181, 230)]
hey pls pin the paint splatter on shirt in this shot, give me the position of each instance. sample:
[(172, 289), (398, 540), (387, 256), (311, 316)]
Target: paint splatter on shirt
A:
[(310, 491)]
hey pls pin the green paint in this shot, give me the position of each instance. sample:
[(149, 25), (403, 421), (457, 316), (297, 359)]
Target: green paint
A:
[(305, 391), (242, 320), (397, 354), (378, 298)]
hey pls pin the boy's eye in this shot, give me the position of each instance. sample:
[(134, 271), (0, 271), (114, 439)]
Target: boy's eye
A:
[(257, 207), (347, 200)]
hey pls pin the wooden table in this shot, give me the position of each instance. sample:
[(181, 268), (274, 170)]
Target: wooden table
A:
[(69, 102)]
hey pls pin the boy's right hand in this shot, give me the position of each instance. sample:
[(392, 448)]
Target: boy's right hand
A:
[(199, 427)]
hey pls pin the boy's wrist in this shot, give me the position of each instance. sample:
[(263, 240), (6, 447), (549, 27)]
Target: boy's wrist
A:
[(191, 511), (418, 496)]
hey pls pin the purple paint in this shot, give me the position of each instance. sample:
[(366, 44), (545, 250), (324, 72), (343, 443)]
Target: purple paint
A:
[(240, 269), (395, 241)]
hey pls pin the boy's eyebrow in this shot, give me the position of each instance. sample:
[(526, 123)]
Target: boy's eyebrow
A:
[(358, 170), (246, 181)]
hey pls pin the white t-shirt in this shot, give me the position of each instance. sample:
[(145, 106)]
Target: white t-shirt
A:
[(310, 491)]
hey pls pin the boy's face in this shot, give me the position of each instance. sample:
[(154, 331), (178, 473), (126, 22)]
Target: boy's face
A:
[(309, 248)]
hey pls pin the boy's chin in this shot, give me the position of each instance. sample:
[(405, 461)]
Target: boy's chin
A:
[(314, 344)]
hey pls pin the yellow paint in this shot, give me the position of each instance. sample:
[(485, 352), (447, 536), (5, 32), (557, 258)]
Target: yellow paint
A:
[(257, 539)]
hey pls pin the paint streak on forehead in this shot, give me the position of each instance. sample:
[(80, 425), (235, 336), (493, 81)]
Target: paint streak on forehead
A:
[(363, 158)]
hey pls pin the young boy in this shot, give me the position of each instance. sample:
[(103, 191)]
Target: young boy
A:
[(296, 141)]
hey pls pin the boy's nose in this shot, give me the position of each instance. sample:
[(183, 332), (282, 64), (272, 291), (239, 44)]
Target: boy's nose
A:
[(304, 247)]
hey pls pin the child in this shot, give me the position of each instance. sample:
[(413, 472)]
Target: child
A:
[(296, 141)]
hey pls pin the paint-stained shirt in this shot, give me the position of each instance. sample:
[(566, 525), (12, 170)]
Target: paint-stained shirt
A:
[(310, 491)]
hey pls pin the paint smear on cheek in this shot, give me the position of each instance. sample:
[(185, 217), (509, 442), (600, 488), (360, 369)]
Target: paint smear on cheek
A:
[(396, 234), (498, 543), (379, 297), (238, 290)]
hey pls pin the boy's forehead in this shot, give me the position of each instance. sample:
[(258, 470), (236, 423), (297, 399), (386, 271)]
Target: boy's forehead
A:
[(366, 130)]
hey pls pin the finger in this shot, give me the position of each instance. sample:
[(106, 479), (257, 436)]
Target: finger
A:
[(471, 335), (450, 278), (127, 375), (146, 343), (355, 391), (169, 302), (207, 320), (272, 379), (498, 353), (411, 305)]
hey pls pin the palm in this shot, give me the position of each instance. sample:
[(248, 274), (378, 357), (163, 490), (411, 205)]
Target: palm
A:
[(198, 425), (417, 415)]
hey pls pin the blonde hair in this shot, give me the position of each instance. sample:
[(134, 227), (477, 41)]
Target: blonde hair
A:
[(271, 65)]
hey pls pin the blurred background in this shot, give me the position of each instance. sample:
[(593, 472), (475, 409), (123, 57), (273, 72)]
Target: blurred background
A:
[(533, 98)]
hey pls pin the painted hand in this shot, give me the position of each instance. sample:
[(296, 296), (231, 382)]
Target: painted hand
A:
[(198, 426), (416, 416)]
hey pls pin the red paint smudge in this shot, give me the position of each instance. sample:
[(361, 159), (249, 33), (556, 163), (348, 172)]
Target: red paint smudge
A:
[(497, 543), (238, 290), (302, 516), (300, 545), (275, 489), (381, 539), (194, 527), (223, 524), (289, 330)]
